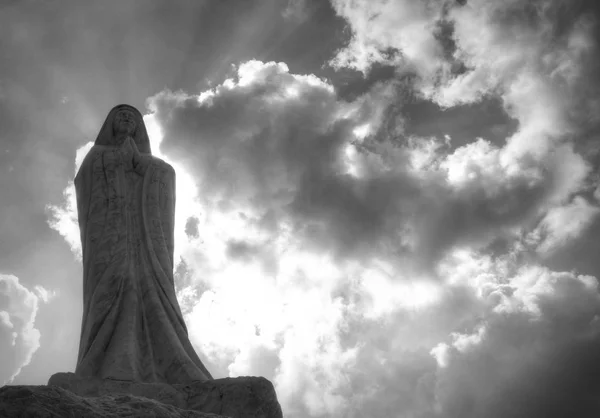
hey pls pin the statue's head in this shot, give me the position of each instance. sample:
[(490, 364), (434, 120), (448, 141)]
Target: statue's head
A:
[(124, 122), (124, 119)]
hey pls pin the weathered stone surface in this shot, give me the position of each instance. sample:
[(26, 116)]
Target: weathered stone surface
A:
[(56, 402), (240, 397), (70, 396)]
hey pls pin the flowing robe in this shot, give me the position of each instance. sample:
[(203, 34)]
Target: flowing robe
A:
[(132, 327)]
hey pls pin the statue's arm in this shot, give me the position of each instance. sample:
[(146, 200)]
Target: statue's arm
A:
[(141, 164), (169, 219), (140, 161)]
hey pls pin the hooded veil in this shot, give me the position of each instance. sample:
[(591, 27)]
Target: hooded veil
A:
[(132, 326), (106, 134)]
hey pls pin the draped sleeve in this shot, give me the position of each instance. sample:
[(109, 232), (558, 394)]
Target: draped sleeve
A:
[(83, 183)]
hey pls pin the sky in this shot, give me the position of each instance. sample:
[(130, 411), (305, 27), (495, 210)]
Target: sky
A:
[(388, 208)]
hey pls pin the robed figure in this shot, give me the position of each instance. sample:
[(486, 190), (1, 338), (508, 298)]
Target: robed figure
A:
[(132, 327)]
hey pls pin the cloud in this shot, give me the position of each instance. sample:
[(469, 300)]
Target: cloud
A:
[(350, 268), (461, 53), (563, 224), (279, 155), (486, 194), (502, 340), (271, 159), (533, 355), (268, 149), (283, 327), (287, 268), (44, 294), (364, 273), (19, 339), (63, 218), (400, 32), (538, 58)]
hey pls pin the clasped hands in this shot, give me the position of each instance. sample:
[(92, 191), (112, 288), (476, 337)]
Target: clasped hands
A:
[(132, 155)]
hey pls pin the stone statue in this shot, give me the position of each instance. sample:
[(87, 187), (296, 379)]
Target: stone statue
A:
[(132, 327)]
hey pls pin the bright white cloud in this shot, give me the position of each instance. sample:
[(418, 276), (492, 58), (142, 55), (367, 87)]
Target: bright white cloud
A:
[(530, 55), (534, 58), (380, 28), (63, 218), (563, 224), (19, 339), (44, 294)]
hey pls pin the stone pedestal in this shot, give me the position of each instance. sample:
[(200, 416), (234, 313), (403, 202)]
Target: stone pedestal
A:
[(69, 395)]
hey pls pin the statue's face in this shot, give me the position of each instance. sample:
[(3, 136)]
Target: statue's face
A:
[(124, 122)]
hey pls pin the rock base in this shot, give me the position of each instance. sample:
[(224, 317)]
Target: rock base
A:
[(70, 395)]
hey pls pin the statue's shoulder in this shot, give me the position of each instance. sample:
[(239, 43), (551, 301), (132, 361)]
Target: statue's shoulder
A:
[(162, 164), (94, 153), (101, 148), (97, 150)]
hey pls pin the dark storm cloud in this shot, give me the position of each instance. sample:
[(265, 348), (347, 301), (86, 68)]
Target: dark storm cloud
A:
[(275, 145), (522, 345), (535, 58), (534, 356), (394, 372)]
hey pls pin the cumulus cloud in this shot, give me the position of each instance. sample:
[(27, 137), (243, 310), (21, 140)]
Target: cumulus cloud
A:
[(532, 333), (563, 224), (487, 195), (44, 294), (284, 171), (275, 157), (19, 339), (499, 45), (538, 57), (269, 148), (278, 154), (501, 341), (404, 33)]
